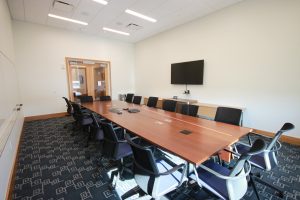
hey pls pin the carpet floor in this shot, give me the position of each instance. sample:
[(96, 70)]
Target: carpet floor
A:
[(51, 166)]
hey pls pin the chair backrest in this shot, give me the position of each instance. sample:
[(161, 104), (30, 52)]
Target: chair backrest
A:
[(97, 129), (69, 106), (129, 97), (152, 101), (109, 132), (169, 105), (286, 127), (85, 99), (237, 186), (110, 140), (105, 98), (188, 109), (228, 115), (137, 99), (95, 123), (144, 161), (76, 108), (258, 147)]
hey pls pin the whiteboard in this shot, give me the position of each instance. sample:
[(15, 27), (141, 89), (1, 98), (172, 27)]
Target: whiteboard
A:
[(9, 95), (9, 98)]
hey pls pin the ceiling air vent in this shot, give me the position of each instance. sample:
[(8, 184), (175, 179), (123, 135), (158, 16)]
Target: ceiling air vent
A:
[(134, 27), (62, 6)]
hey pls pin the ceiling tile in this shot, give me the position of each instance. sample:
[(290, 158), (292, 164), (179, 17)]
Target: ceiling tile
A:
[(145, 6), (169, 14), (72, 2), (36, 10), (16, 8), (87, 10), (57, 23)]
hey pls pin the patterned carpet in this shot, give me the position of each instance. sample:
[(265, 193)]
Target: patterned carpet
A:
[(52, 167)]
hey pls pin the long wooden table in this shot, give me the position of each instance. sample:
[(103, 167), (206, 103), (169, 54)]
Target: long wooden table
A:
[(163, 129)]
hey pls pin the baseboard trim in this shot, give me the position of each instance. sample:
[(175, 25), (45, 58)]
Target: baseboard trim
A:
[(283, 138), (47, 116), (13, 173)]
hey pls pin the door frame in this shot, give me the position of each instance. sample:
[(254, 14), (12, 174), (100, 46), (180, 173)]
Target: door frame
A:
[(69, 75)]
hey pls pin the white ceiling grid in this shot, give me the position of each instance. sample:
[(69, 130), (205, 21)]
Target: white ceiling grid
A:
[(168, 13)]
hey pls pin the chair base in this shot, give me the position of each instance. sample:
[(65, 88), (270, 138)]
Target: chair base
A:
[(133, 191), (256, 178), (122, 172)]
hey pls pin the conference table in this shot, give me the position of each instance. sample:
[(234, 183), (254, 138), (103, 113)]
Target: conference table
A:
[(192, 139)]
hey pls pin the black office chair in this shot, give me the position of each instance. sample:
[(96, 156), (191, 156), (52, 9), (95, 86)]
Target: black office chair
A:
[(169, 105), (81, 116), (137, 100), (97, 130), (191, 110), (83, 120), (69, 111), (69, 106), (105, 98), (154, 177), (227, 183), (116, 148), (85, 99), (267, 159), (129, 97), (229, 115), (152, 101)]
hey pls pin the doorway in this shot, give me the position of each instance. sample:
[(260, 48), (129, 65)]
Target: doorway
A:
[(88, 78)]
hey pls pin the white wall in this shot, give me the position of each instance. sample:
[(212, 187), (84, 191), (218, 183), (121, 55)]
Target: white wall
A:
[(41, 52), (252, 59), (8, 81), (9, 97)]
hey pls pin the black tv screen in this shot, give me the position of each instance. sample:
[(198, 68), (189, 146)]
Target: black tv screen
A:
[(187, 72)]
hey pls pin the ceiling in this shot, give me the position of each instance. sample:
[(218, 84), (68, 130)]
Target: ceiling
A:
[(168, 13)]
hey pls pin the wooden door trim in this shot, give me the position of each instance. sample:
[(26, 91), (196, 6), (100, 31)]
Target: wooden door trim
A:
[(69, 77)]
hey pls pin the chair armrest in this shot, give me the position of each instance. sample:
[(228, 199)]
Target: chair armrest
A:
[(177, 167), (134, 138), (100, 119), (233, 152), (276, 147), (163, 153), (117, 128), (242, 143), (170, 171), (86, 115), (227, 177), (261, 135), (122, 141)]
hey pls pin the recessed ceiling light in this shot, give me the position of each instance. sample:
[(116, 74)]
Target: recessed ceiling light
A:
[(68, 19), (115, 31), (140, 15), (101, 1)]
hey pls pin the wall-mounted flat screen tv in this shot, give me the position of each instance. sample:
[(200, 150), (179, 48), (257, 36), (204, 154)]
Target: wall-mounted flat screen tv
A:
[(187, 72)]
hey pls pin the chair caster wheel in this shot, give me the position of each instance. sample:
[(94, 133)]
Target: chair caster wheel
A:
[(111, 187), (280, 194)]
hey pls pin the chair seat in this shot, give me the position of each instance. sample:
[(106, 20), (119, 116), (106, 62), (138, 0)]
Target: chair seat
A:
[(86, 121), (162, 184), (211, 181), (257, 160), (99, 135), (123, 151), (167, 183)]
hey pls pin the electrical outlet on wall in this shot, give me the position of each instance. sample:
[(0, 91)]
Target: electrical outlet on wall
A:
[(186, 92)]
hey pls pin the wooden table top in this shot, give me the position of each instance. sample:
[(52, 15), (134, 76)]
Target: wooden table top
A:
[(162, 128)]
